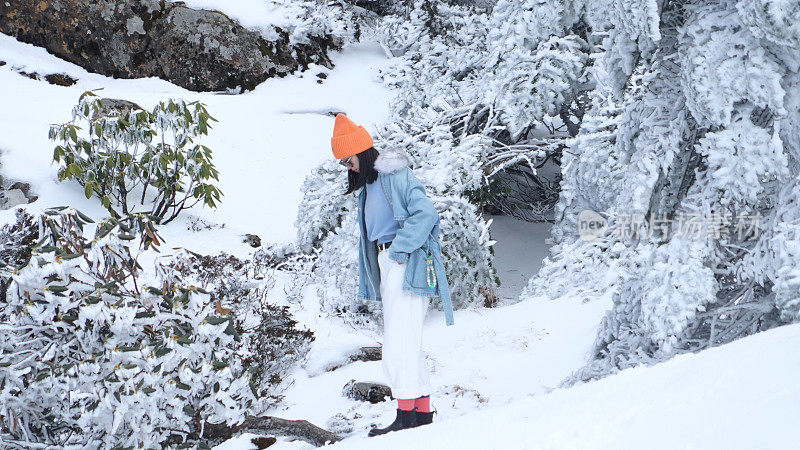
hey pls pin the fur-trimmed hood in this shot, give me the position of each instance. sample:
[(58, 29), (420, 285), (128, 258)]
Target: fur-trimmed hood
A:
[(391, 160)]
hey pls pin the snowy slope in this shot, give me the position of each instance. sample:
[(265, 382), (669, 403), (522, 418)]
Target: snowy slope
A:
[(265, 143), (490, 357), (744, 395)]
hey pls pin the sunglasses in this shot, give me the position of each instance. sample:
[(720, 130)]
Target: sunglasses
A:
[(346, 162)]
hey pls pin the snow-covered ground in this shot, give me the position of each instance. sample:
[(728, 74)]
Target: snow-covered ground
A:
[(494, 371), (265, 143), (491, 357), (518, 253), (743, 395)]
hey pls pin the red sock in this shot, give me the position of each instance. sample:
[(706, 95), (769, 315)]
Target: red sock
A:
[(423, 404), (405, 404)]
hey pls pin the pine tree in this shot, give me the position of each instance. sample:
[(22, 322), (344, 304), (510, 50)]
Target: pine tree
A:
[(688, 123)]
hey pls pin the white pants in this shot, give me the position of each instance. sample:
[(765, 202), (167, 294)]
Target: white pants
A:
[(403, 316)]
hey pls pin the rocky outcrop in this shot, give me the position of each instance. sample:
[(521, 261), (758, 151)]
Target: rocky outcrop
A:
[(199, 50), (366, 391), (252, 239)]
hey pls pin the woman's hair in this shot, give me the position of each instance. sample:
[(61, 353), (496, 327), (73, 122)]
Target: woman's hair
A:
[(366, 170)]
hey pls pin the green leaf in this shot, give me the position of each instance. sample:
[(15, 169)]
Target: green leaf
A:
[(104, 231), (70, 317), (214, 320), (202, 126), (230, 330), (84, 217), (189, 411), (154, 291), (88, 189), (58, 153), (183, 386), (184, 298), (162, 351), (42, 375)]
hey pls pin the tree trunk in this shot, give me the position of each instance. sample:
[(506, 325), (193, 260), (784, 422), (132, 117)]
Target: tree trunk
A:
[(268, 425)]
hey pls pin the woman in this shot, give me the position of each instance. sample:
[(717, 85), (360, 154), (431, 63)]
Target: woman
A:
[(399, 263)]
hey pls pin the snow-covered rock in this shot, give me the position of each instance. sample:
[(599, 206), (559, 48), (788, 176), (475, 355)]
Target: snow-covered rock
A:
[(200, 50)]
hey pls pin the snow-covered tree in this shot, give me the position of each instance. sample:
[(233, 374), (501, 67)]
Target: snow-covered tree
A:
[(690, 152)]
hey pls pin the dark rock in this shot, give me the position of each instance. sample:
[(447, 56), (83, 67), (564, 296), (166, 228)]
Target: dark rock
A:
[(31, 75), (18, 193), (367, 354), (366, 391), (117, 106), (253, 240), (322, 75), (60, 79), (198, 50), (263, 442), (362, 354), (2, 63)]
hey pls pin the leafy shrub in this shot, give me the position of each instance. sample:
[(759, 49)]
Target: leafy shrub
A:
[(93, 358), (131, 155), (269, 333)]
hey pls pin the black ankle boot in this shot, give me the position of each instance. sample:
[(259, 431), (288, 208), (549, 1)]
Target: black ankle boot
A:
[(424, 418), (404, 419)]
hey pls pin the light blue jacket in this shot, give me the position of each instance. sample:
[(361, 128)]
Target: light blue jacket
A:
[(416, 240)]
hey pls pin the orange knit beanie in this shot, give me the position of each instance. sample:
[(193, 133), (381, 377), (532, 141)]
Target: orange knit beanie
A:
[(348, 138)]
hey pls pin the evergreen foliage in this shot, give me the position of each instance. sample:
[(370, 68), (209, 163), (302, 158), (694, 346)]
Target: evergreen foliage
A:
[(689, 129), (125, 155), (92, 357)]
